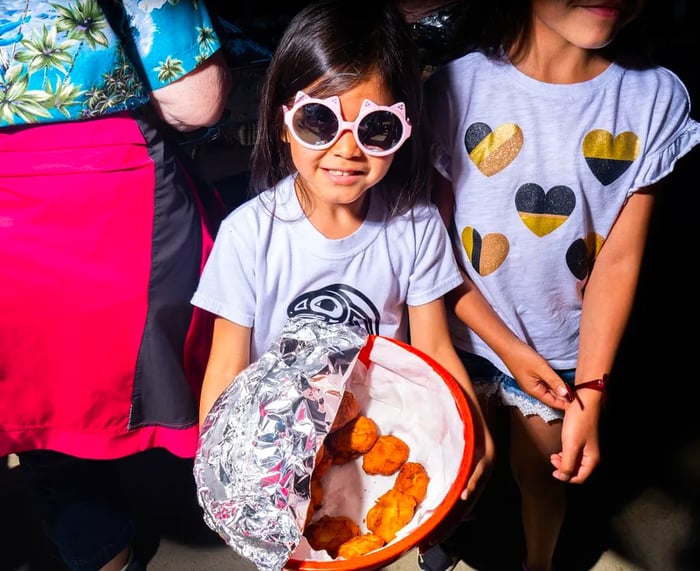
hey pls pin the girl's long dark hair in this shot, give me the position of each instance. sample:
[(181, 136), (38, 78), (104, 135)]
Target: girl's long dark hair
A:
[(329, 47)]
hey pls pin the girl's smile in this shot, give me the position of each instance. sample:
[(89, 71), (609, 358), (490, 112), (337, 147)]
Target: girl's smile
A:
[(332, 183)]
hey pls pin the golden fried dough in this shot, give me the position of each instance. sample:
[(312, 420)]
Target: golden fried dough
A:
[(413, 480), (359, 545), (349, 408), (316, 493), (323, 462), (390, 513), (310, 511), (352, 440), (330, 533), (387, 455)]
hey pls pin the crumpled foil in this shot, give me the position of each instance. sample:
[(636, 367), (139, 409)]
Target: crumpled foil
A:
[(258, 445)]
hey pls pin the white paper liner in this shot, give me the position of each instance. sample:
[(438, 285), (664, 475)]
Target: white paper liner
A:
[(404, 395)]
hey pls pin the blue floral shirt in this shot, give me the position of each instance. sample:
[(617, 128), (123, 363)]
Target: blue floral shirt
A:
[(76, 59)]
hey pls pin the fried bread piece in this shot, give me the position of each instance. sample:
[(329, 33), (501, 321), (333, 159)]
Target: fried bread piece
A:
[(324, 459), (316, 493), (348, 409), (359, 545), (329, 533), (310, 511), (413, 479), (352, 440), (390, 513), (315, 499), (387, 455)]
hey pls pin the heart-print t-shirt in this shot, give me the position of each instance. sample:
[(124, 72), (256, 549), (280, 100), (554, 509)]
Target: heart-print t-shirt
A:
[(540, 173)]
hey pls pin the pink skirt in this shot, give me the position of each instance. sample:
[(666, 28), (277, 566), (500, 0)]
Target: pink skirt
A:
[(102, 241)]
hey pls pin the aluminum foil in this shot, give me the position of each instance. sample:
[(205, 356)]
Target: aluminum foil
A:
[(258, 444)]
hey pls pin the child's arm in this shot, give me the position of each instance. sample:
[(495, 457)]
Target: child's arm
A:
[(607, 304), (532, 372), (529, 368), (229, 355), (429, 333)]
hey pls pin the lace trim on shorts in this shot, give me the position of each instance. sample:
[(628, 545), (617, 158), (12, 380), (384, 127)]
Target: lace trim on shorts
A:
[(513, 396)]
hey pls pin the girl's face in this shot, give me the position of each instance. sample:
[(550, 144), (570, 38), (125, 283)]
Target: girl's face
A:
[(587, 24), (342, 174)]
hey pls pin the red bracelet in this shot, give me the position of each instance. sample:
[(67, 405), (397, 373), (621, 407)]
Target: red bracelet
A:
[(596, 384)]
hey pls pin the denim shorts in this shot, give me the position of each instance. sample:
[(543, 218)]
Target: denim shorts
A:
[(490, 381)]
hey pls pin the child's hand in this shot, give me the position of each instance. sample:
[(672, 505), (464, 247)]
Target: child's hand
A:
[(579, 438), (482, 464), (536, 377), (478, 479)]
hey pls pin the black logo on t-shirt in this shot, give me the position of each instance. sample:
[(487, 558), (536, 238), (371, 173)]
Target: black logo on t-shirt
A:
[(337, 303)]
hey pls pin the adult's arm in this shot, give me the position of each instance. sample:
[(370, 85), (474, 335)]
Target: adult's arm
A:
[(198, 98)]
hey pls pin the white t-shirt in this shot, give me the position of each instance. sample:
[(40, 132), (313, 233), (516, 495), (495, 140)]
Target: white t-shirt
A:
[(541, 172), (269, 263)]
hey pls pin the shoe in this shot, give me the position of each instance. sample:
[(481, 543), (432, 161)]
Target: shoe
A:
[(437, 559)]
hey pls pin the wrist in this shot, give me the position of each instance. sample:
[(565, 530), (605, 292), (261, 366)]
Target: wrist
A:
[(599, 385)]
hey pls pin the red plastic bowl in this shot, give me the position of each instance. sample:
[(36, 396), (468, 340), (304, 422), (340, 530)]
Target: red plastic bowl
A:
[(427, 530)]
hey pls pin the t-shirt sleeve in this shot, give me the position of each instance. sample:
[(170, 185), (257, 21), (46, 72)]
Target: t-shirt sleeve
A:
[(227, 285), (672, 132), (170, 38), (435, 271)]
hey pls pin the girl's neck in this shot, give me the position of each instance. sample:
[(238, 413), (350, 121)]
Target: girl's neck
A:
[(334, 221), (561, 63)]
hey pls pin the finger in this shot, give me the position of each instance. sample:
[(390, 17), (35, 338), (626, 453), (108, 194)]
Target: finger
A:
[(556, 386), (571, 457), (555, 459), (475, 485), (563, 390), (570, 467), (559, 388), (471, 486), (579, 478), (583, 470), (545, 395)]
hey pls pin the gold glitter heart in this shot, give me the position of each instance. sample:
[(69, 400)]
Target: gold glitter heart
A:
[(487, 254)]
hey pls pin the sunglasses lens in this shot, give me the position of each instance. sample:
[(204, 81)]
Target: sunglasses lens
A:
[(315, 124), (380, 131)]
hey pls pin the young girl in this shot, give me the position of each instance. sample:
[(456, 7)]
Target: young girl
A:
[(553, 141), (341, 229)]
